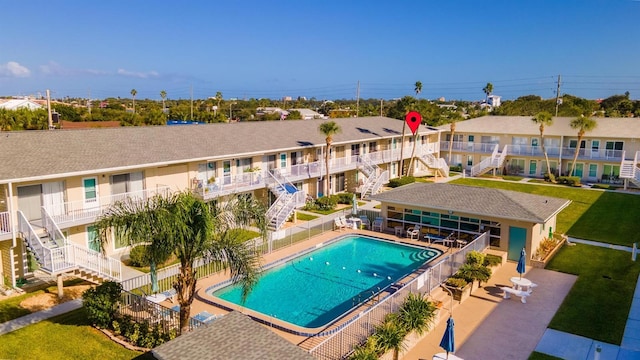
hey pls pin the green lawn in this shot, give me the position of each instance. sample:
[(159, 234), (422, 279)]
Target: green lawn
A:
[(305, 217), (67, 336), (540, 356), (598, 304), (593, 214), (10, 308)]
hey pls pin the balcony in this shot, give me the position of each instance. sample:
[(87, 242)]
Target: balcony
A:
[(594, 154), (466, 146), (85, 212), (5, 225)]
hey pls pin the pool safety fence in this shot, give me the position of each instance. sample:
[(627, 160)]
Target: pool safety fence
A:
[(357, 330), (155, 316)]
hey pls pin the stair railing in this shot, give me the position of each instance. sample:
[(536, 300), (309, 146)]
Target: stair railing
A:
[(52, 228), (485, 164), (42, 253), (104, 266), (382, 179)]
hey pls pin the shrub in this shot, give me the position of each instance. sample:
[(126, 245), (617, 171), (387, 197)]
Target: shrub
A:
[(394, 183), (416, 314), (344, 198), (326, 203), (456, 282), (475, 258), (545, 247), (471, 272), (456, 168), (492, 260), (138, 256), (101, 303), (569, 180), (549, 177), (367, 351)]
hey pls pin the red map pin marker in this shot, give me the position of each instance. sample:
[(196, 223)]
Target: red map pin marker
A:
[(413, 119)]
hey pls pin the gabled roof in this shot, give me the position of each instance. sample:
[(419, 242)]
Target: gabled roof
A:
[(39, 154), (620, 128), (15, 104), (233, 337), (489, 202)]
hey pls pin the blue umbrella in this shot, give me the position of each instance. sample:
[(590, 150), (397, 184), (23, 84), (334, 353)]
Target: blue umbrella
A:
[(447, 342), (521, 262)]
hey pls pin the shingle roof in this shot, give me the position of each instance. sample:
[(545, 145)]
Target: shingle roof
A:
[(233, 337), (622, 128), (476, 200), (28, 154)]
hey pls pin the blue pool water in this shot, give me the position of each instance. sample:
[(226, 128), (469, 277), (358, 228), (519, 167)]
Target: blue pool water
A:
[(314, 289)]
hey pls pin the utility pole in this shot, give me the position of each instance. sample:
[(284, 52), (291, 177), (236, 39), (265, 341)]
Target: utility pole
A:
[(381, 100), (191, 91), (89, 103), (358, 99), (49, 110), (558, 96)]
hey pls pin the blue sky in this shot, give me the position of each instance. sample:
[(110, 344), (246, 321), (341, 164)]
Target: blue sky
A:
[(320, 49)]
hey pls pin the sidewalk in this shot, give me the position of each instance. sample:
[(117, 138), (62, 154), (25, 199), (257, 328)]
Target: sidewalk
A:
[(19, 323)]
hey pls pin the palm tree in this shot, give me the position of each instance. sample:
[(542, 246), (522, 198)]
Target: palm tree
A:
[(416, 313), (543, 119), (163, 95), (218, 98), (582, 124), (418, 88), (190, 229), (487, 89), (390, 336), (328, 129), (134, 92)]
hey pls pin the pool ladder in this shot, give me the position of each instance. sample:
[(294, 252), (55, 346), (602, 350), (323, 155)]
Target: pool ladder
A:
[(374, 297)]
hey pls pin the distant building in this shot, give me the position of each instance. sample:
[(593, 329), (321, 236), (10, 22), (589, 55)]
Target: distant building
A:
[(308, 114), (15, 104)]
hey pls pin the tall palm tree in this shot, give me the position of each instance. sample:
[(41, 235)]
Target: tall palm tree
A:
[(582, 124), (134, 92), (543, 119), (328, 129), (218, 98), (163, 95), (418, 88), (487, 89), (190, 229)]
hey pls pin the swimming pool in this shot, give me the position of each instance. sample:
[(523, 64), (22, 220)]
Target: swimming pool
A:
[(318, 287)]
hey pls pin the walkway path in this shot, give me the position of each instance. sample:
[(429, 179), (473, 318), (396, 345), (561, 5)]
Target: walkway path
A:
[(19, 323)]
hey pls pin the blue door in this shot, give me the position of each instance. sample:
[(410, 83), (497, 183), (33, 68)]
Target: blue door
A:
[(517, 240)]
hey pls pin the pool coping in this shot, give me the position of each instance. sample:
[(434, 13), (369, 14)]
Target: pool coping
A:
[(313, 332)]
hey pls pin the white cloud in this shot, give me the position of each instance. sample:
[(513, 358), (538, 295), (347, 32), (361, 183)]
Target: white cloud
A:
[(53, 68), (141, 75), (14, 69)]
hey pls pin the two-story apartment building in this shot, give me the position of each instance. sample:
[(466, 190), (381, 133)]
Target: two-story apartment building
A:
[(512, 144), (55, 184)]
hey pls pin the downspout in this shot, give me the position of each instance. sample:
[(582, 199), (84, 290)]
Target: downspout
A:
[(560, 155), (12, 216)]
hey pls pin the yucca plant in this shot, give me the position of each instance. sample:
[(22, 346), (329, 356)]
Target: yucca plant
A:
[(366, 351), (390, 336), (416, 313)]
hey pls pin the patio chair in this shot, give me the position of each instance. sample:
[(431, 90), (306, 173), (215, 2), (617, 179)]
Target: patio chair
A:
[(365, 222), (338, 224), (205, 317), (170, 294), (346, 222), (414, 232), (378, 223)]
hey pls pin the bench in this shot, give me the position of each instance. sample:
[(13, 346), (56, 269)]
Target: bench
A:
[(522, 294)]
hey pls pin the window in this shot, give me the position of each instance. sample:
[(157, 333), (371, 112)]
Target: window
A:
[(339, 182), (516, 166), (244, 165), (471, 137), (534, 141), (614, 145), (490, 139), (469, 160), (373, 146), (595, 145), (283, 160), (355, 149), (593, 170), (90, 190)]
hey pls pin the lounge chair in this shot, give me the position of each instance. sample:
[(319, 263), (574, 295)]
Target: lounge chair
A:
[(366, 224), (346, 222), (205, 317), (414, 232), (170, 294), (338, 224), (378, 224)]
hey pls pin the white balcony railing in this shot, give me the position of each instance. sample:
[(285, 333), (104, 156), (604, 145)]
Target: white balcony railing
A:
[(74, 211), (5, 223)]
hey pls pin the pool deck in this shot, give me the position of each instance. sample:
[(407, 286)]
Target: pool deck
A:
[(201, 304)]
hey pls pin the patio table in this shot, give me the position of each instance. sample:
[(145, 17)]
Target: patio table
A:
[(520, 283)]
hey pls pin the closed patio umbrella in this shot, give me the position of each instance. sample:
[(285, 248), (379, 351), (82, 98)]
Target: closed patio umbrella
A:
[(153, 273), (354, 206), (521, 263), (447, 342)]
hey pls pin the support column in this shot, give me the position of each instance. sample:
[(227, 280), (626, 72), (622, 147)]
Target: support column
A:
[(60, 286)]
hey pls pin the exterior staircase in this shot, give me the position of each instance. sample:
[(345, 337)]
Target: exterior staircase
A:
[(375, 177), (495, 161), (438, 164), (56, 255), (629, 169), (288, 199)]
